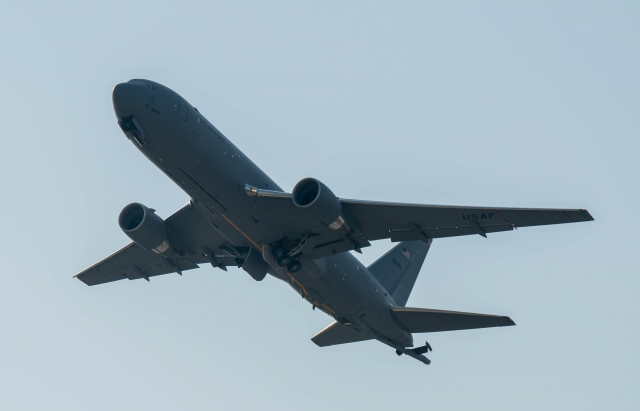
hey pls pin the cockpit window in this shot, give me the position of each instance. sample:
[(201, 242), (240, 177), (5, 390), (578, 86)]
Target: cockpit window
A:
[(144, 83), (139, 83)]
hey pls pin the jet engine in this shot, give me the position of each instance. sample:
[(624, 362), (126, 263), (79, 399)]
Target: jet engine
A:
[(316, 200), (145, 228)]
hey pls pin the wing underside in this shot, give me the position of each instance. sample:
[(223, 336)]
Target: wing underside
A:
[(188, 228), (373, 220), (402, 222), (370, 221)]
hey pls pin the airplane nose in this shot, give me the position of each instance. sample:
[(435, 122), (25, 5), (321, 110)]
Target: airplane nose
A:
[(126, 97), (123, 99)]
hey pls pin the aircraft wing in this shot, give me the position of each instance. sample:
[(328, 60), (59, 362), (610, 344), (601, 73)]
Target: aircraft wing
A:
[(134, 262), (403, 222), (376, 220)]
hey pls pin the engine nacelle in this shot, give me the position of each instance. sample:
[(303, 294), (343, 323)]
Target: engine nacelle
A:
[(316, 200), (145, 228)]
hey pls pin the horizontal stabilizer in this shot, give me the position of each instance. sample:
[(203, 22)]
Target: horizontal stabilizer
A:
[(336, 334), (424, 320)]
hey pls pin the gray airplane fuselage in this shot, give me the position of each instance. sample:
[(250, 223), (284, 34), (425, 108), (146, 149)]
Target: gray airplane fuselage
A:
[(213, 172)]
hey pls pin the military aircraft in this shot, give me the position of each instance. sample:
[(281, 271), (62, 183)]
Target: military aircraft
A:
[(238, 216)]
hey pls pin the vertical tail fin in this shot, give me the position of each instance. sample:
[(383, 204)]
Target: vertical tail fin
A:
[(398, 269)]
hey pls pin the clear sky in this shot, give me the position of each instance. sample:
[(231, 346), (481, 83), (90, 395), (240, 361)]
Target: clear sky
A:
[(514, 103)]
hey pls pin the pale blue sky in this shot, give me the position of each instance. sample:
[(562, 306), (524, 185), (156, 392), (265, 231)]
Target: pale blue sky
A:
[(523, 104)]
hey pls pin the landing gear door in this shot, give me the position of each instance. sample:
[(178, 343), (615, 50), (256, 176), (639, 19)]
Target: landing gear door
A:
[(183, 109)]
